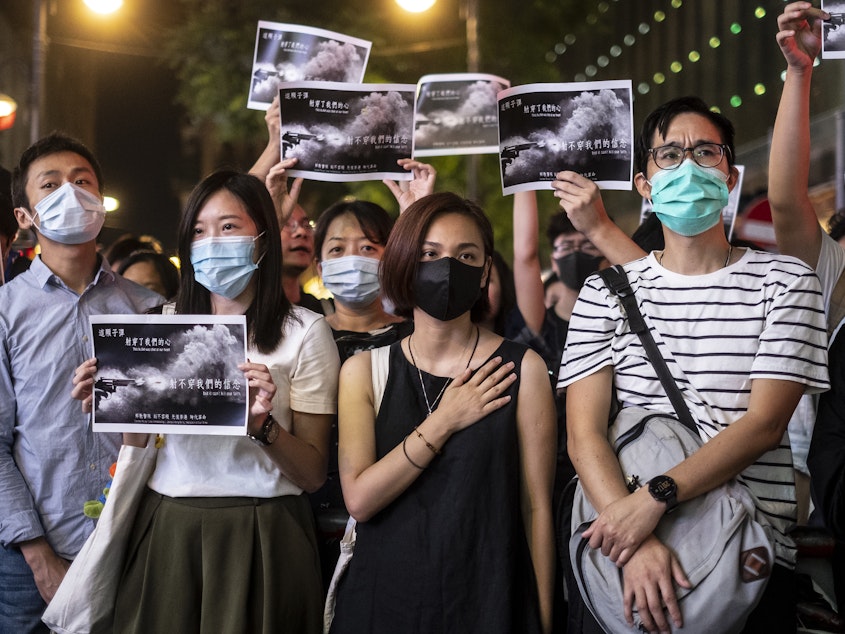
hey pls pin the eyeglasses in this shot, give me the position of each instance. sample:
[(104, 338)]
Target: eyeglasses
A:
[(565, 247), (292, 226), (668, 157)]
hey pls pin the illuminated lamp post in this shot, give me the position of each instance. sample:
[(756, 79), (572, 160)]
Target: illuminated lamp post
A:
[(40, 43), (469, 13), (8, 110)]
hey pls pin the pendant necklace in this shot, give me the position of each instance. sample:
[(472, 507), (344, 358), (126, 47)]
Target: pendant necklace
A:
[(430, 406)]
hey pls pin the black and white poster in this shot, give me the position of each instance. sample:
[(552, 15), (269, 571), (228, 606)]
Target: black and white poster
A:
[(170, 374), (289, 52), (833, 30), (456, 114), (583, 127), (347, 132)]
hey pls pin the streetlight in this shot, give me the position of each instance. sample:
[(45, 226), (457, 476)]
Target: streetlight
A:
[(40, 42), (469, 13), (8, 109), (415, 6), (104, 6)]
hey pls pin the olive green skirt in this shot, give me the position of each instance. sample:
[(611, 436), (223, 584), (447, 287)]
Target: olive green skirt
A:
[(221, 565)]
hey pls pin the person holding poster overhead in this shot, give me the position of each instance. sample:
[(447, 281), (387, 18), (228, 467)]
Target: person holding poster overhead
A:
[(224, 537), (449, 474)]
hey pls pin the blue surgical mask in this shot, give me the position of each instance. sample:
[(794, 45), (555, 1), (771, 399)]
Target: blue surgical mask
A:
[(689, 199), (224, 265), (352, 279), (69, 215)]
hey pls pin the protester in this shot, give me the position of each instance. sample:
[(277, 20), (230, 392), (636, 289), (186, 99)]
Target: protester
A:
[(349, 239), (153, 270), (246, 493), (126, 245), (451, 482), (798, 233), (51, 462), (743, 333)]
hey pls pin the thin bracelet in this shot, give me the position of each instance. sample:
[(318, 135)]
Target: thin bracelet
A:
[(405, 449), (434, 449)]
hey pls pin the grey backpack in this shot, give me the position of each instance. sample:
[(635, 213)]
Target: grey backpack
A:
[(725, 553)]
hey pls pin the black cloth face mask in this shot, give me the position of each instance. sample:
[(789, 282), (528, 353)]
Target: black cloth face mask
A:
[(575, 268), (447, 288)]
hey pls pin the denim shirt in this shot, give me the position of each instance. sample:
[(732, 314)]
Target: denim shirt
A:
[(51, 462)]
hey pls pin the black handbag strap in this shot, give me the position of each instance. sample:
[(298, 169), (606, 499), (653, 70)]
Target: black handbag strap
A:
[(617, 282)]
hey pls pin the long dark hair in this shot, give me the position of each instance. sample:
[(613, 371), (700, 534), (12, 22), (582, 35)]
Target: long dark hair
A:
[(268, 309)]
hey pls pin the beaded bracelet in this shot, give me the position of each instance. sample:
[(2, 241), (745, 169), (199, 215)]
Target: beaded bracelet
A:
[(405, 449), (433, 449)]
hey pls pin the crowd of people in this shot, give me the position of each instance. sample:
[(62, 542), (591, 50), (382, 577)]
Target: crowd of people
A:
[(438, 404)]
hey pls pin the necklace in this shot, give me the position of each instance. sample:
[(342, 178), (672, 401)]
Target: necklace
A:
[(727, 259), (431, 406)]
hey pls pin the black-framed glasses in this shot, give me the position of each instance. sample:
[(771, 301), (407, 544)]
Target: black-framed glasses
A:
[(668, 157)]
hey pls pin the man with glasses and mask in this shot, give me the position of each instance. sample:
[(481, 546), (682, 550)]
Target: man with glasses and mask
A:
[(297, 256), (743, 333), (51, 462)]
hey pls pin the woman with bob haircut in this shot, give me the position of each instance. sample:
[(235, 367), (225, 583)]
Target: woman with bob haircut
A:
[(224, 537), (450, 482)]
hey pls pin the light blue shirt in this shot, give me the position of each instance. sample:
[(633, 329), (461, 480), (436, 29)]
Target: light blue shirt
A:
[(51, 462)]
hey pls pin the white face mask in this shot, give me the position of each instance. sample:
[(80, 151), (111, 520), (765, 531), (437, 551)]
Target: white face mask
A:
[(352, 279), (69, 215)]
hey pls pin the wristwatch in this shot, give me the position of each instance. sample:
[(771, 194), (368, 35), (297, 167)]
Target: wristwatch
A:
[(663, 489), (269, 432)]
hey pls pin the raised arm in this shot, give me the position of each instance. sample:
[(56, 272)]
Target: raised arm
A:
[(527, 271), (796, 226), (581, 199), (272, 153)]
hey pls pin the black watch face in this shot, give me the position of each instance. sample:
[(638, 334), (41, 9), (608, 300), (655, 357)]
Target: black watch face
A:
[(662, 487)]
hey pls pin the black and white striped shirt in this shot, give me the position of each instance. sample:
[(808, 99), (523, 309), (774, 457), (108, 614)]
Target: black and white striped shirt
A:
[(761, 317)]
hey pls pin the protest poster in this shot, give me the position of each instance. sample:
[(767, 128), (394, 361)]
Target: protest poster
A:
[(833, 30), (289, 52), (456, 114), (585, 127), (170, 374), (347, 132)]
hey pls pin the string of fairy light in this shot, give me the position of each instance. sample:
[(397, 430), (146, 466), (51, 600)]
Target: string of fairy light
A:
[(643, 29)]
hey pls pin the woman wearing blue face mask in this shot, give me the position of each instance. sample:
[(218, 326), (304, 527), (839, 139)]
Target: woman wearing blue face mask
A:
[(349, 239), (225, 535), (449, 475)]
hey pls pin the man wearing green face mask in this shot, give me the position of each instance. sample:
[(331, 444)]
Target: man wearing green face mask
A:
[(743, 334)]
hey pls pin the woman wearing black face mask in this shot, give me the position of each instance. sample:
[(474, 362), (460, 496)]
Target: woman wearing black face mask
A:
[(450, 481)]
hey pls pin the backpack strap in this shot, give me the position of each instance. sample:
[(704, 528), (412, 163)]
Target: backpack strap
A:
[(836, 305), (380, 362), (618, 284)]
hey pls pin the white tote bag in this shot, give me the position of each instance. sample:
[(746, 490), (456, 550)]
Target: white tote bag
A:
[(84, 602), (380, 362)]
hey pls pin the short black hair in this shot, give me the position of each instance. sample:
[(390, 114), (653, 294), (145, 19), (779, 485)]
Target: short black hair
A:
[(559, 224), (167, 271), (375, 222), (53, 143), (836, 225), (660, 119)]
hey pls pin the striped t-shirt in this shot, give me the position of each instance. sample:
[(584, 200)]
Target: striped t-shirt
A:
[(761, 317)]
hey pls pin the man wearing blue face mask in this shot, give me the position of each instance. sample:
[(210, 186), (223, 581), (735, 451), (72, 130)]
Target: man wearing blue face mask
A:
[(51, 462), (743, 334)]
